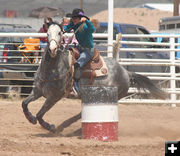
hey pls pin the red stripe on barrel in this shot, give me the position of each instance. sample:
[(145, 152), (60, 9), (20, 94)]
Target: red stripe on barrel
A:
[(106, 131)]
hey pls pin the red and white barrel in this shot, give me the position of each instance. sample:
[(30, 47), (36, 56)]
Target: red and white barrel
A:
[(100, 113)]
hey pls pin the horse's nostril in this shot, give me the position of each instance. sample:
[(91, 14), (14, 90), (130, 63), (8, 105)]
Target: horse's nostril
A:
[(53, 45), (53, 52)]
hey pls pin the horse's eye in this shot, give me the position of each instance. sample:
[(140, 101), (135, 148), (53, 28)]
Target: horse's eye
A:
[(59, 33)]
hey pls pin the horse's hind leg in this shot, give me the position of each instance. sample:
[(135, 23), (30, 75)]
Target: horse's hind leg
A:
[(47, 106), (25, 103)]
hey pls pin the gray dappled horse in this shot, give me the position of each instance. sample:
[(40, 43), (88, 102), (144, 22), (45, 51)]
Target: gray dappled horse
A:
[(53, 79)]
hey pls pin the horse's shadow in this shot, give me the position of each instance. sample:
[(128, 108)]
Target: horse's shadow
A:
[(62, 126)]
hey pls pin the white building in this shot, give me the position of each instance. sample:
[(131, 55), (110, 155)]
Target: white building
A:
[(160, 6)]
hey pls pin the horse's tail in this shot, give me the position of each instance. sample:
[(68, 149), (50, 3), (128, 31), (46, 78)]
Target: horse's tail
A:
[(142, 82)]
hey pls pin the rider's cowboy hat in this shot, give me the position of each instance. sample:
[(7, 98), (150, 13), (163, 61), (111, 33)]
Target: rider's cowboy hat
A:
[(78, 13)]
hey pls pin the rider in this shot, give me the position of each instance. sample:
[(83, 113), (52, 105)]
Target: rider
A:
[(83, 29)]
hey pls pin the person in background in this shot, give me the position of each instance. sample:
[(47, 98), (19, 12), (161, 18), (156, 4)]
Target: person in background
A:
[(83, 29), (43, 29), (65, 21)]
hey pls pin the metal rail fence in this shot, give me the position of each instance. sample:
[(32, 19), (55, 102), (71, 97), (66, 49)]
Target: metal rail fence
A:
[(172, 76), (22, 79)]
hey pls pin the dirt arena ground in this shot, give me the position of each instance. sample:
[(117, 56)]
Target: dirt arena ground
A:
[(143, 131)]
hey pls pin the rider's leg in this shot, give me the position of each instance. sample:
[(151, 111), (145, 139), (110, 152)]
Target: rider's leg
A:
[(85, 56), (77, 76)]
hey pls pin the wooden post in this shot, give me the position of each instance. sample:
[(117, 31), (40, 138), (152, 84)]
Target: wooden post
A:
[(81, 4), (176, 8)]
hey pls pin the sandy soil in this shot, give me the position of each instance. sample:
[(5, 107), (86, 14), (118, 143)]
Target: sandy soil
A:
[(143, 131), (140, 16)]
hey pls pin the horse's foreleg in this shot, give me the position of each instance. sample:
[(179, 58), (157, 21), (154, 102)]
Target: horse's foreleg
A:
[(47, 106), (25, 103)]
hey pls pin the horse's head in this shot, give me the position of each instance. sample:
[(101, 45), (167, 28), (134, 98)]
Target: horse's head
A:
[(54, 34)]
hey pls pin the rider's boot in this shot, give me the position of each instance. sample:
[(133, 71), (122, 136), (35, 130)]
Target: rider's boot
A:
[(77, 75), (77, 72)]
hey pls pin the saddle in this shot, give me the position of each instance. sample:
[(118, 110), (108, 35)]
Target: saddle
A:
[(96, 67)]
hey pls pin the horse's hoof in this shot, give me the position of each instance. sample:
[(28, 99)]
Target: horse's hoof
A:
[(52, 128), (47, 126), (33, 120), (30, 117)]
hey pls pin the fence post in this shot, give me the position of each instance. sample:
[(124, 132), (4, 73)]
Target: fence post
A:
[(116, 47), (172, 70), (110, 27), (100, 113)]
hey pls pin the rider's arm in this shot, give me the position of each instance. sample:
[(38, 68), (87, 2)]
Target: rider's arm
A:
[(90, 26)]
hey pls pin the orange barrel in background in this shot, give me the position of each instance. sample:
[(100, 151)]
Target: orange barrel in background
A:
[(100, 113)]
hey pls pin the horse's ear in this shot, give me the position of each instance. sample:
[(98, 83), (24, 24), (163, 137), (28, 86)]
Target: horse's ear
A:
[(49, 23)]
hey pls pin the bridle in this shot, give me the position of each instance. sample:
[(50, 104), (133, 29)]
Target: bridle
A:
[(58, 44)]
